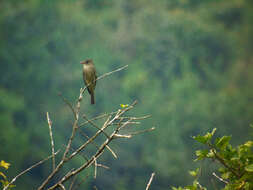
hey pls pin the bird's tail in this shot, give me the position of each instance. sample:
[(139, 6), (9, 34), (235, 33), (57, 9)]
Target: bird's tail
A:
[(92, 99)]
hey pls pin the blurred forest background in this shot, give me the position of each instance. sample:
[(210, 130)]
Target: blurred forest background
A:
[(190, 66)]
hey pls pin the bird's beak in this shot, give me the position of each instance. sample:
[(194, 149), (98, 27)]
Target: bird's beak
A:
[(81, 62)]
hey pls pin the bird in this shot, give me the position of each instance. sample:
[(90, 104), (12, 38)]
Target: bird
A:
[(89, 77)]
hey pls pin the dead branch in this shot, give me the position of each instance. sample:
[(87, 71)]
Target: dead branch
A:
[(51, 139), (150, 180), (116, 120)]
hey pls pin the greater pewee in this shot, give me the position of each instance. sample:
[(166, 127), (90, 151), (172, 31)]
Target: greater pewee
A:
[(89, 77)]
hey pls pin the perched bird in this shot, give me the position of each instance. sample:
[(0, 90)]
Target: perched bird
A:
[(89, 77)]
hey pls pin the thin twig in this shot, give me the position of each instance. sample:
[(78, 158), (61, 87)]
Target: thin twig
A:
[(103, 76), (122, 136), (200, 186), (94, 125), (90, 140), (95, 169), (106, 114), (68, 104), (107, 74), (97, 117), (81, 153), (219, 178), (87, 137), (133, 123), (137, 118), (28, 169), (62, 187), (79, 184), (72, 183), (103, 166), (142, 131), (51, 138), (150, 180)]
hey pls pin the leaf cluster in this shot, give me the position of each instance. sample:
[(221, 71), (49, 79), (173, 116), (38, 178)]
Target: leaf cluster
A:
[(236, 163)]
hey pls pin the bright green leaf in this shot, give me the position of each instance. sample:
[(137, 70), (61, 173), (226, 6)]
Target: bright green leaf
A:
[(249, 168), (201, 139), (194, 173), (249, 144), (222, 142), (213, 131), (201, 154)]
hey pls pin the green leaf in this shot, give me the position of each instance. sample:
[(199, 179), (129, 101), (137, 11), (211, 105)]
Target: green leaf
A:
[(194, 173), (210, 154), (248, 144), (204, 139), (2, 174), (225, 175), (201, 154), (249, 168), (213, 131), (201, 139), (222, 142)]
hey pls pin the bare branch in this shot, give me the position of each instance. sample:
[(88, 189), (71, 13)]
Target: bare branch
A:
[(87, 137), (72, 183), (90, 140), (150, 180), (122, 136), (107, 74), (143, 131), (113, 117), (51, 138), (64, 157), (94, 125), (79, 184), (137, 118), (97, 117), (133, 122), (68, 104), (96, 156), (103, 166)]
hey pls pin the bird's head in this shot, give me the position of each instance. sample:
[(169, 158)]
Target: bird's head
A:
[(86, 61)]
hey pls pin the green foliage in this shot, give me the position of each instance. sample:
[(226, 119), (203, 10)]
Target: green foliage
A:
[(236, 163)]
